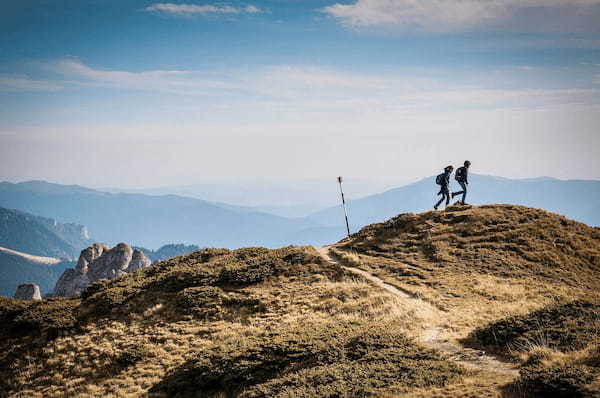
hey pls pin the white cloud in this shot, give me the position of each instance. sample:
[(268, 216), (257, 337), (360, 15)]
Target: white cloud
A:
[(21, 83), (161, 80), (472, 15), (296, 90), (194, 9)]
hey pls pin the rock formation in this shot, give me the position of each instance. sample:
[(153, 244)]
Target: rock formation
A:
[(28, 291), (99, 262)]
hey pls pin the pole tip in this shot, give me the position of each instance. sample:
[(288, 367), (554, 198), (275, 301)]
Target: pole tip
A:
[(340, 179)]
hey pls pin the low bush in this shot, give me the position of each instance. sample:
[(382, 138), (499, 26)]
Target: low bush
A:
[(46, 317), (335, 357), (565, 327), (133, 355), (570, 381)]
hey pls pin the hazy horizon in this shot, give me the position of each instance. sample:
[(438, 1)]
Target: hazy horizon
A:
[(146, 94)]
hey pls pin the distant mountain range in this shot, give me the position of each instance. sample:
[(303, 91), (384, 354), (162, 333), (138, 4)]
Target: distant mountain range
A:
[(17, 268), (576, 199), (152, 221), (41, 236), (168, 251)]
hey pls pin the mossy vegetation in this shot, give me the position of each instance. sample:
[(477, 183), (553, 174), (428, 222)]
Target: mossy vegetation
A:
[(37, 318), (281, 323), (569, 326), (326, 359), (559, 346)]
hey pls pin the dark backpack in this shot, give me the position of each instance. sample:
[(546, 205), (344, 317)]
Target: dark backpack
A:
[(460, 174), (440, 179)]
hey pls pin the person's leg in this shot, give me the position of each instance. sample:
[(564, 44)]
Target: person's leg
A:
[(464, 191), (459, 192), (447, 195), (439, 202)]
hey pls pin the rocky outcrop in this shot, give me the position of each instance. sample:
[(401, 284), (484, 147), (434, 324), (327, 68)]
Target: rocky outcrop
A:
[(28, 291), (100, 262)]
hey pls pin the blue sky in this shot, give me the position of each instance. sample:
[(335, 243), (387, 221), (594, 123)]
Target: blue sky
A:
[(142, 93)]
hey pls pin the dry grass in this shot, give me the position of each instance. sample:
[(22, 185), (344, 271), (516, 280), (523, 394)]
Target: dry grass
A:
[(146, 332), (261, 323), (481, 264)]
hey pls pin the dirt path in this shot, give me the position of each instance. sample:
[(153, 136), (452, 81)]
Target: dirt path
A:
[(31, 257), (434, 328)]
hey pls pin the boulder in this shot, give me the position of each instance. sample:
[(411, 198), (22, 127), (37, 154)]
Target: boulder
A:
[(28, 291), (100, 262)]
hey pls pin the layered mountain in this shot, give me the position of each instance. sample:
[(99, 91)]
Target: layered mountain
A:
[(41, 236), (576, 199), (168, 251), (151, 221), (17, 268)]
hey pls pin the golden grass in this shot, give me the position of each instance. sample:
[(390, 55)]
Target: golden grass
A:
[(461, 270)]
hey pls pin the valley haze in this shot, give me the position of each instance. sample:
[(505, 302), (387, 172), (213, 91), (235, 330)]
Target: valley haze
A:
[(155, 220)]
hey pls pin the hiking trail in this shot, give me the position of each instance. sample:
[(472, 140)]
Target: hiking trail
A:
[(436, 320)]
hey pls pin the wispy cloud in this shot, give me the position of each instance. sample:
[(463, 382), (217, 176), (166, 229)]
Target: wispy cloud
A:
[(176, 81), (23, 83), (195, 9), (319, 90), (472, 15)]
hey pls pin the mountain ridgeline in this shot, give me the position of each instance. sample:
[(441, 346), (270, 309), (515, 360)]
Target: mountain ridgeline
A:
[(576, 199), (154, 221), (41, 236), (151, 221)]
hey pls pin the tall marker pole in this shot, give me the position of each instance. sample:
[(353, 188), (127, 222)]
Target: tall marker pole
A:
[(344, 205)]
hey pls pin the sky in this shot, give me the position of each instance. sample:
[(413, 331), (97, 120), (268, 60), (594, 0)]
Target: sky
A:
[(129, 93)]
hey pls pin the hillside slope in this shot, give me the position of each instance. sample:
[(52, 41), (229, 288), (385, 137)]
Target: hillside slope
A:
[(506, 278), (24, 232), (16, 269), (284, 323)]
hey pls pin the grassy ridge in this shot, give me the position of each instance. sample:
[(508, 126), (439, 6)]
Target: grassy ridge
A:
[(256, 322), (251, 322)]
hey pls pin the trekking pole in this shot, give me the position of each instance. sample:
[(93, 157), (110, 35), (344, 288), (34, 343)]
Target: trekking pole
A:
[(344, 206)]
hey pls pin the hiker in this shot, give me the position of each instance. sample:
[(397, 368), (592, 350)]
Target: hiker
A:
[(443, 180), (462, 176)]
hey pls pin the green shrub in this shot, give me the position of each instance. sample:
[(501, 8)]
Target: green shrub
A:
[(351, 356), (201, 301), (566, 327), (46, 317), (556, 382), (133, 355)]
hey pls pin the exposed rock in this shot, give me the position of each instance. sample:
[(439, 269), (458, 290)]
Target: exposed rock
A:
[(99, 262), (90, 254), (28, 291), (138, 260)]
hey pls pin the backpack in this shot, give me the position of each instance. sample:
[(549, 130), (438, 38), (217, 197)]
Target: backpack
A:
[(460, 174), (440, 179)]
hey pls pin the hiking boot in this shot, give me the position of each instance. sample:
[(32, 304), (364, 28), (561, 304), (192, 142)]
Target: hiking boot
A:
[(435, 207), (453, 195)]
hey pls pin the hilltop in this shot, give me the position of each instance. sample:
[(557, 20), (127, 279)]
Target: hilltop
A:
[(576, 199), (286, 322)]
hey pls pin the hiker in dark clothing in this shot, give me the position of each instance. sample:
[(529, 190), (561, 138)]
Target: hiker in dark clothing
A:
[(462, 176), (443, 180)]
